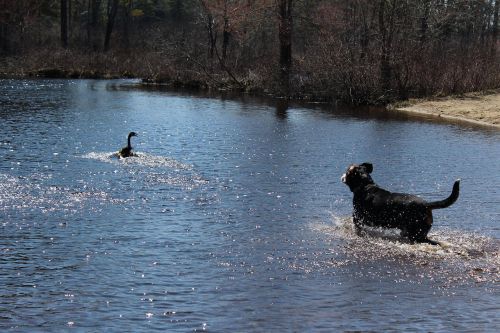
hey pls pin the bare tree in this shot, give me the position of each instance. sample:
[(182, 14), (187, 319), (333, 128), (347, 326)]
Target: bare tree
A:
[(210, 26), (112, 9), (285, 16), (494, 41), (93, 10), (64, 23), (127, 23), (386, 17), (225, 32)]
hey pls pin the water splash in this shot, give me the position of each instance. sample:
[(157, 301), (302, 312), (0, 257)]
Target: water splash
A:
[(140, 159), (154, 170), (461, 257)]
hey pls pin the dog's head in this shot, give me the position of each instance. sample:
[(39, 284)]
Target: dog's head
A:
[(358, 176)]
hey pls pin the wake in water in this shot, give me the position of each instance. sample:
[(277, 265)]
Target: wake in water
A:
[(140, 159), (154, 169), (459, 257)]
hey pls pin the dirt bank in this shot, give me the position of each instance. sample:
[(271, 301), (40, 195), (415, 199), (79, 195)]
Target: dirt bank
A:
[(480, 108)]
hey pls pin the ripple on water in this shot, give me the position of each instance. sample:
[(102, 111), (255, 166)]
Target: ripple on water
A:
[(24, 194), (461, 258)]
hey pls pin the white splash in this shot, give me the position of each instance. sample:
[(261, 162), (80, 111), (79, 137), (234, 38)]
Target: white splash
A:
[(141, 159), (460, 256)]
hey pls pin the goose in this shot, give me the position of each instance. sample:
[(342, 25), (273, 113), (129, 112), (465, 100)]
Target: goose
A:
[(127, 151)]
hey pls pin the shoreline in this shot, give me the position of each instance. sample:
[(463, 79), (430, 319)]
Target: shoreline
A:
[(415, 111), (478, 108)]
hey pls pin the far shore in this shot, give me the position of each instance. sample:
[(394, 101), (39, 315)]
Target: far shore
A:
[(478, 108)]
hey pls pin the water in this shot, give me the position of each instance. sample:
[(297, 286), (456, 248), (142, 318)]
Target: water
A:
[(232, 217)]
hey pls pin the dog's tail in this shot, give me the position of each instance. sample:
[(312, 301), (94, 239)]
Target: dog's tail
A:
[(448, 201)]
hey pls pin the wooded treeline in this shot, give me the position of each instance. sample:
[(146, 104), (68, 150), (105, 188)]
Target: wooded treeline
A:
[(358, 51)]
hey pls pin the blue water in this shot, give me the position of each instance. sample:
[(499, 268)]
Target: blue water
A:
[(232, 218)]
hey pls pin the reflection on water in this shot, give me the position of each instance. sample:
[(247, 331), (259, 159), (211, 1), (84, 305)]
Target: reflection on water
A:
[(232, 217)]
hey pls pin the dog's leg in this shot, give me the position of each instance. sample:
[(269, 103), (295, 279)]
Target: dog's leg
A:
[(429, 220), (358, 226), (418, 229)]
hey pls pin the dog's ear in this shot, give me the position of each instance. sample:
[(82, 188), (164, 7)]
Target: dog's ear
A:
[(368, 167)]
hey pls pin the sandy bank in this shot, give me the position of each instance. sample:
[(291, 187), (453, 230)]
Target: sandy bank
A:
[(479, 108)]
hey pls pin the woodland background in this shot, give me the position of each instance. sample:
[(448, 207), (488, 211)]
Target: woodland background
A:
[(355, 51)]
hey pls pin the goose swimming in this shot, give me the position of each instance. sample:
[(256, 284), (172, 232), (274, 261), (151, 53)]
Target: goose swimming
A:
[(127, 151)]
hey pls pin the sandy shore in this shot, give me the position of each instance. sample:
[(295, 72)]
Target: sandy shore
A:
[(478, 108)]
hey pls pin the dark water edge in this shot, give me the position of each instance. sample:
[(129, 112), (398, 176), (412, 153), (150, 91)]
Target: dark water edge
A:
[(228, 89), (232, 216), (181, 81), (379, 112)]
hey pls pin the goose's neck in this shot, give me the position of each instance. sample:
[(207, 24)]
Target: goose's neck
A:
[(128, 142)]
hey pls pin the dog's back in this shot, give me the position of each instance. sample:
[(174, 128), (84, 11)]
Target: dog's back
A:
[(381, 208)]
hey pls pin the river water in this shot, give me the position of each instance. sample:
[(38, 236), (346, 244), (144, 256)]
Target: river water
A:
[(232, 218)]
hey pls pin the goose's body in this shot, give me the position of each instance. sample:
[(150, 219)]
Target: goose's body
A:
[(127, 151)]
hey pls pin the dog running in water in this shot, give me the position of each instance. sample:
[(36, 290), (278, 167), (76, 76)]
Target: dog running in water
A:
[(376, 207)]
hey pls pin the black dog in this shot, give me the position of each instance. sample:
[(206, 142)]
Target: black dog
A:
[(374, 206)]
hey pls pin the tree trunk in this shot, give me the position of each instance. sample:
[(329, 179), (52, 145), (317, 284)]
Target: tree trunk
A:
[(225, 34), (112, 9), (285, 42), (424, 22), (64, 23), (70, 19), (494, 34), (212, 36), (92, 24), (211, 33), (386, 41), (4, 42), (127, 23)]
